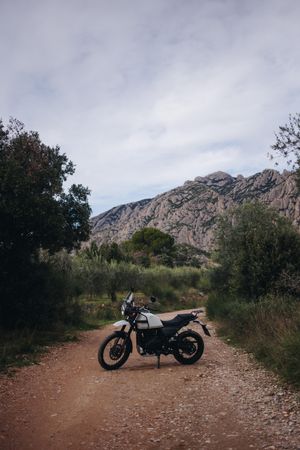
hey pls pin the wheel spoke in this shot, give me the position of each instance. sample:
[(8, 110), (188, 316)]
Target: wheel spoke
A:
[(189, 347), (115, 350)]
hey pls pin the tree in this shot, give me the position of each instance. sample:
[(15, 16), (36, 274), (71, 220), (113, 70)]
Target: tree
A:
[(152, 240), (112, 252), (255, 245), (104, 252), (35, 212), (150, 245), (121, 276), (187, 255), (288, 143)]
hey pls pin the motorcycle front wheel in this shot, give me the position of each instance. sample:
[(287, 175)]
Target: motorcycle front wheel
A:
[(114, 351), (189, 348)]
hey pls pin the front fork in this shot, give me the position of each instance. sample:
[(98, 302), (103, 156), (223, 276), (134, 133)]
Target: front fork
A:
[(127, 336)]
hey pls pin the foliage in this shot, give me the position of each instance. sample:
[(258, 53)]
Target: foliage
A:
[(255, 246), (121, 276), (35, 213), (187, 255), (269, 328), (105, 252), (98, 277), (152, 241), (288, 143), (148, 247), (99, 274), (255, 287)]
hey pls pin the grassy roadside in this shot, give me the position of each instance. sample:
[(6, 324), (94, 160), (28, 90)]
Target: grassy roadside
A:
[(25, 347), (268, 328)]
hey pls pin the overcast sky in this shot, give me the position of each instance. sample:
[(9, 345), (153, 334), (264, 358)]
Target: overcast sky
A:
[(145, 94)]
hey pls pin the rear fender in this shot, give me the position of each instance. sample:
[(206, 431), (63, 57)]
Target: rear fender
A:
[(204, 327)]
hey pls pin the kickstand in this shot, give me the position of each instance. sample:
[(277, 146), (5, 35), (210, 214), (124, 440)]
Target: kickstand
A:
[(158, 361)]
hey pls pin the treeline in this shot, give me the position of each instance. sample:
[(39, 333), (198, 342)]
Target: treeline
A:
[(148, 247), (67, 283), (255, 286), (100, 276)]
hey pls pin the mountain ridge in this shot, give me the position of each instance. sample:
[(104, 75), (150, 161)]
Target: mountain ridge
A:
[(189, 212)]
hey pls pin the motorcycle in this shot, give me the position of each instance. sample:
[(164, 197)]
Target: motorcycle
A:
[(154, 337)]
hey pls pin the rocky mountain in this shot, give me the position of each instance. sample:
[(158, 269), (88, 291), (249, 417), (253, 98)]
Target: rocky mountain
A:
[(189, 212)]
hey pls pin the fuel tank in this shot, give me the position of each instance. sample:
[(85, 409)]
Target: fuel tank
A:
[(147, 320)]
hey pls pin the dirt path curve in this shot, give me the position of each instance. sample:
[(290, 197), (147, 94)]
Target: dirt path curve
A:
[(225, 401)]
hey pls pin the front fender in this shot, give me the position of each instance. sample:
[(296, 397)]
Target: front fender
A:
[(121, 323)]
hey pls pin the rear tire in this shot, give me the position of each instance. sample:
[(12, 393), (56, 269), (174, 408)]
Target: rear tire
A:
[(114, 351), (190, 347)]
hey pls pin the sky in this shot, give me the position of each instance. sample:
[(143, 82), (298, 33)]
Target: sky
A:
[(143, 95)]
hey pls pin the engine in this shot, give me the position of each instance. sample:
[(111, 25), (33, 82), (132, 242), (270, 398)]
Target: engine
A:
[(150, 340)]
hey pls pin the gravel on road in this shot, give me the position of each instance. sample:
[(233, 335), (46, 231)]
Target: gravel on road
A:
[(226, 401)]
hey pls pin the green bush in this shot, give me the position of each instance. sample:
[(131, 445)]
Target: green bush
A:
[(160, 279), (169, 295), (204, 283), (289, 364), (255, 245), (108, 313), (218, 306), (44, 295), (167, 284)]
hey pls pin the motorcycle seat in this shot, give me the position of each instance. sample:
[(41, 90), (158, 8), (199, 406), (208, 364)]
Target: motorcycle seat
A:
[(179, 321)]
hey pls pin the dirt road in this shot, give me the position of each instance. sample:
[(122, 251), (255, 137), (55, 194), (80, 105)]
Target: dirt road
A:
[(225, 401)]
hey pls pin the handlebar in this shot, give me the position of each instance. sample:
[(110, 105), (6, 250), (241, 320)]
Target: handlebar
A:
[(130, 309)]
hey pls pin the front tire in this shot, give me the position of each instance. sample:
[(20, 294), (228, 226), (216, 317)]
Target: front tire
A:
[(190, 347), (114, 351)]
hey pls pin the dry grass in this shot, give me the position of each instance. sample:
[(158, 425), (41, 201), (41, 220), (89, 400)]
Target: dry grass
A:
[(269, 328)]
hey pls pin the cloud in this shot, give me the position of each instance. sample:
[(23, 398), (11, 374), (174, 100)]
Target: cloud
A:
[(144, 95)]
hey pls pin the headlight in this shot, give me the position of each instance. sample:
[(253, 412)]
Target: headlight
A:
[(123, 307)]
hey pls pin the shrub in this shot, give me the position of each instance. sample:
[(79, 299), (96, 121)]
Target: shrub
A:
[(255, 245), (289, 363)]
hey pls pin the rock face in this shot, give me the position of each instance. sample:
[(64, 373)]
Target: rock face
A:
[(189, 212)]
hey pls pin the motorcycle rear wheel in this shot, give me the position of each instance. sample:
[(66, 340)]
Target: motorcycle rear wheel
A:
[(114, 351), (190, 347)]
